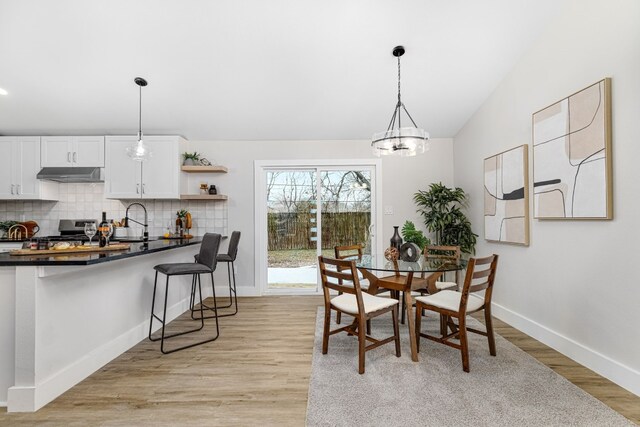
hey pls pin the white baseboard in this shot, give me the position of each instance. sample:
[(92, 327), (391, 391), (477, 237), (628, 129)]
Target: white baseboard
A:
[(620, 374), (29, 399)]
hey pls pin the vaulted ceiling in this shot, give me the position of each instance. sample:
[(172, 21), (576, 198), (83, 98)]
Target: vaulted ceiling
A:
[(255, 69)]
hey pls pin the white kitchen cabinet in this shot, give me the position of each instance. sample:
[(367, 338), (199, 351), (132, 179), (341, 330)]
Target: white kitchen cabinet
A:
[(156, 178), (19, 165), (72, 151)]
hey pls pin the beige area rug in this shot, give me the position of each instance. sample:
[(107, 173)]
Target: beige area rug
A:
[(511, 389)]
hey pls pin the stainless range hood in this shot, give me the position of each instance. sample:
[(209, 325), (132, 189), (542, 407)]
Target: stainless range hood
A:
[(71, 174)]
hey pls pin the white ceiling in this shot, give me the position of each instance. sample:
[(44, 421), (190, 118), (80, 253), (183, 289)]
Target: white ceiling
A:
[(255, 69)]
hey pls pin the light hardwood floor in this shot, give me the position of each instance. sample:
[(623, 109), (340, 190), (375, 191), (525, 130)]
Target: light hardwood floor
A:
[(257, 373)]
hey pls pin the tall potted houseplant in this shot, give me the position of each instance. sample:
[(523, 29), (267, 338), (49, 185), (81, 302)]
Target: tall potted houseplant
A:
[(440, 207)]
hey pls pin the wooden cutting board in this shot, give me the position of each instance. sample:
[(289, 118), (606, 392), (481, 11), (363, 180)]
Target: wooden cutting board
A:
[(76, 249), (186, 236)]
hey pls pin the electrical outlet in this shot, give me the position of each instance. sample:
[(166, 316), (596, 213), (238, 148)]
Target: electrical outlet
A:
[(388, 210)]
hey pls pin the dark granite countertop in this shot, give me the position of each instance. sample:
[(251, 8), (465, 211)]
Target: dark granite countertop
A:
[(136, 249)]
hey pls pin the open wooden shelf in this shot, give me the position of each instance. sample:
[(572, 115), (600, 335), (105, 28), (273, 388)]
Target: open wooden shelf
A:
[(203, 197), (204, 169)]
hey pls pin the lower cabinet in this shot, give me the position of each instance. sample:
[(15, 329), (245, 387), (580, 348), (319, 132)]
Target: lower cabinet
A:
[(156, 178)]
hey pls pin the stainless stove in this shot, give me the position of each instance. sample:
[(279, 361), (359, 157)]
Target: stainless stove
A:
[(72, 229)]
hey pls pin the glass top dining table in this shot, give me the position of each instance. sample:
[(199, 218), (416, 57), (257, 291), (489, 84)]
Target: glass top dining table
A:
[(422, 265), (401, 285)]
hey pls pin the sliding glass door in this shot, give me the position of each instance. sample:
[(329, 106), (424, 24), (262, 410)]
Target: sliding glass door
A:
[(291, 228), (308, 211)]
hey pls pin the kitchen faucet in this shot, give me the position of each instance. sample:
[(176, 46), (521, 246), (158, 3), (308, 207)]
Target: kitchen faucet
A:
[(145, 234)]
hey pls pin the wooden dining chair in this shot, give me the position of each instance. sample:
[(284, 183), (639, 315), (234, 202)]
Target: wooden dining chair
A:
[(353, 302), (430, 284), (481, 273), (349, 251)]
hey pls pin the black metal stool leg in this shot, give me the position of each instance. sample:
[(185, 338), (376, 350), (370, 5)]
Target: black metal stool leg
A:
[(235, 291), (215, 304), (163, 337), (153, 304), (235, 296), (230, 296), (164, 314), (192, 301)]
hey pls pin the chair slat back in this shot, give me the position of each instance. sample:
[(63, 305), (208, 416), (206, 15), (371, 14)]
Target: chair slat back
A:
[(439, 251), (442, 252), (343, 252), (481, 273), (347, 251), (342, 271)]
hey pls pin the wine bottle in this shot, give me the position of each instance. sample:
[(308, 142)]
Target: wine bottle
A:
[(103, 229)]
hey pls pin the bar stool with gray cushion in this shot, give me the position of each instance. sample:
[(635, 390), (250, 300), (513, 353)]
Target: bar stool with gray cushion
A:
[(207, 259), (230, 258)]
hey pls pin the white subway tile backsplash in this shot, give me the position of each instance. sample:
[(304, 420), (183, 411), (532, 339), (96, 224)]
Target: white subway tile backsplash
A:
[(86, 201)]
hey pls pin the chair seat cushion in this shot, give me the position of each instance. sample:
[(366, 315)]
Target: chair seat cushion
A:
[(348, 303), (364, 284), (225, 258), (446, 285), (450, 300), (175, 269)]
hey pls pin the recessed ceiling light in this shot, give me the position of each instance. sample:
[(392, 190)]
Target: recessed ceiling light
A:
[(3, 92)]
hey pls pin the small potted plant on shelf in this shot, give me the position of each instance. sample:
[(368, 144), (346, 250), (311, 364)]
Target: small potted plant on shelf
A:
[(191, 159)]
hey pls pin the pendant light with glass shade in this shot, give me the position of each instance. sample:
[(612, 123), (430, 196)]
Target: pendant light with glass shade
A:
[(398, 140), (139, 151)]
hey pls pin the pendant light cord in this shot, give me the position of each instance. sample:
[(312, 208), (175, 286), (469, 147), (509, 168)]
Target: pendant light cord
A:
[(140, 115), (399, 100)]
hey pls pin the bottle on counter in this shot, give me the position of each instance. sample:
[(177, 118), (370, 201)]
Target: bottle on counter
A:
[(103, 231)]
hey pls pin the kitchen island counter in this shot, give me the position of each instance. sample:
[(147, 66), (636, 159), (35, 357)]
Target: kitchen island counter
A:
[(63, 317), (136, 249)]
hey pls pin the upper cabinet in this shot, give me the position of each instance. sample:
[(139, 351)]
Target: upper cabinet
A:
[(19, 165), (72, 151), (156, 178)]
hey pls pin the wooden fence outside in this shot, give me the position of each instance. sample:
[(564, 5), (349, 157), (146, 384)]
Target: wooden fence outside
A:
[(289, 231)]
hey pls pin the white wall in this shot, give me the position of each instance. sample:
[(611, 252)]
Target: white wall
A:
[(575, 287), (401, 178)]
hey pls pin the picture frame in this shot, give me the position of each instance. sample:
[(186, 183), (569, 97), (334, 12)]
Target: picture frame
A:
[(506, 196), (572, 158)]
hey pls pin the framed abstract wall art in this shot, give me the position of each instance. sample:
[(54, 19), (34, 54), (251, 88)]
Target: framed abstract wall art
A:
[(506, 197), (572, 176)]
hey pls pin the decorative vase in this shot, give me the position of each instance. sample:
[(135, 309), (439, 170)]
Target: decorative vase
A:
[(213, 190), (396, 240), (188, 162)]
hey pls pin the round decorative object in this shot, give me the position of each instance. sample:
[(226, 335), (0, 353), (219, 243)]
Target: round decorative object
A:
[(391, 254), (409, 252)]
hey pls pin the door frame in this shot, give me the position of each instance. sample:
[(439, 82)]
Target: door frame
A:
[(260, 211)]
